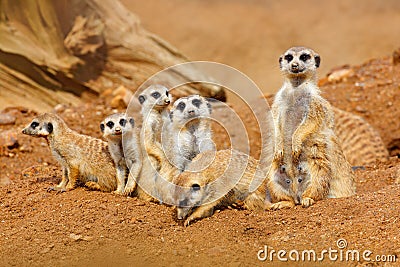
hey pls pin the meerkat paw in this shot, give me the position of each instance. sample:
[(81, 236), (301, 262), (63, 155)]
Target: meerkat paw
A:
[(281, 205), (307, 202), (57, 189), (278, 157), (118, 192)]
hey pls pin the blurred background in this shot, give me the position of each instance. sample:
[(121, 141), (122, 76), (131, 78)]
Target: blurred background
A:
[(250, 35)]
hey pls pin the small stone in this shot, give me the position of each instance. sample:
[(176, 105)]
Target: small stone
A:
[(8, 139), (87, 238), (6, 119), (75, 237)]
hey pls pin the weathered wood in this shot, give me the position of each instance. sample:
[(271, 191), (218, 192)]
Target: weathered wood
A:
[(54, 51)]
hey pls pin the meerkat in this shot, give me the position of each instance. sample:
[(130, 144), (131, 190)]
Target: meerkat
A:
[(82, 158), (361, 143), (304, 135), (123, 144), (188, 130), (154, 101), (215, 180)]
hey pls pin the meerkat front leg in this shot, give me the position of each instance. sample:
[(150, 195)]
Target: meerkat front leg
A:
[(278, 157), (61, 187), (201, 212), (309, 125), (121, 176), (285, 204), (134, 172), (73, 176)]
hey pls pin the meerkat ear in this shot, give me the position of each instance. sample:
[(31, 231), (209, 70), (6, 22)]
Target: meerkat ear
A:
[(280, 61), (102, 127), (49, 127), (142, 98), (317, 59)]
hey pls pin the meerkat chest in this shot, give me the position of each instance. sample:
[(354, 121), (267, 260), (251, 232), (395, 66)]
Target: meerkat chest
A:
[(294, 110)]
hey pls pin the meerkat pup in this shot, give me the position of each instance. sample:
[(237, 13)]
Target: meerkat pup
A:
[(304, 135), (154, 101), (82, 158), (189, 130), (123, 144), (217, 179)]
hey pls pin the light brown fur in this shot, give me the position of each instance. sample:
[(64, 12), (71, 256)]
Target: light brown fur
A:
[(83, 158), (305, 141), (214, 180), (361, 143)]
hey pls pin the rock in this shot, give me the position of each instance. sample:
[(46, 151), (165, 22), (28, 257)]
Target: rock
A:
[(8, 139), (396, 57), (6, 119), (75, 237)]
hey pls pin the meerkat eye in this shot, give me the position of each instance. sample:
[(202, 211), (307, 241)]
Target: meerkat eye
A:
[(181, 106), (110, 124), (166, 93), (34, 124), (102, 127), (300, 180), (156, 95), (305, 57), (122, 122), (195, 187), (196, 102), (132, 122), (288, 58), (288, 181)]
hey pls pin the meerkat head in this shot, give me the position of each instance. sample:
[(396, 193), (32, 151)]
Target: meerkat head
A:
[(293, 180), (115, 125), (155, 97), (188, 108), (190, 193), (45, 125), (299, 62)]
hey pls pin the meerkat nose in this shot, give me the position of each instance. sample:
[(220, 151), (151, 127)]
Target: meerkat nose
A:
[(167, 101), (295, 65), (117, 129), (191, 111), (298, 200)]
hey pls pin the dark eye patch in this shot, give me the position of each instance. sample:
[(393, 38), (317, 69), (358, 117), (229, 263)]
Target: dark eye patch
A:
[(142, 99), (110, 124), (102, 127), (49, 127), (34, 124), (181, 106), (195, 187), (196, 102), (122, 122), (156, 95), (132, 122), (288, 58), (305, 57), (166, 93)]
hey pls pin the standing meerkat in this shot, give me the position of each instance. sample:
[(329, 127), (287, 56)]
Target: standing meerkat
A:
[(82, 158), (217, 179), (154, 101), (304, 135), (123, 144), (188, 130)]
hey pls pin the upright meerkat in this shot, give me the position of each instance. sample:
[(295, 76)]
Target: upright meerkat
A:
[(123, 144), (154, 100), (217, 179), (82, 158), (188, 130), (304, 135)]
